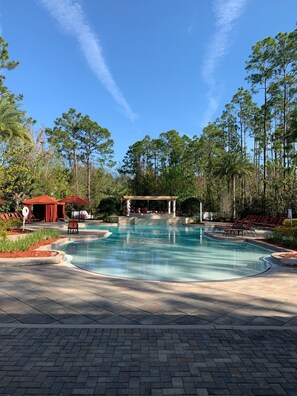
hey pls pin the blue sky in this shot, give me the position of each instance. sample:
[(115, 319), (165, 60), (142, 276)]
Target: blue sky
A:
[(137, 67)]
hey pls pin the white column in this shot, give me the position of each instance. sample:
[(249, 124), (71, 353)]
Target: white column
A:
[(201, 219), (169, 207), (174, 207), (128, 207)]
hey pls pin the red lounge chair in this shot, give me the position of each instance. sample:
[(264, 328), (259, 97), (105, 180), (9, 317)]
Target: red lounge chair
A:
[(15, 215), (73, 227), (237, 224), (279, 222), (5, 216), (19, 215), (247, 229)]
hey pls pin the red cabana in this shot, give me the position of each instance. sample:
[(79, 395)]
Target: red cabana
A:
[(45, 208)]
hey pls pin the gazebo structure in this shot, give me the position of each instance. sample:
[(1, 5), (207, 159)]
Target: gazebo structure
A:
[(171, 201), (45, 208)]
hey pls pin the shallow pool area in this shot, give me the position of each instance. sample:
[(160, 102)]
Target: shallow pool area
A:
[(167, 253)]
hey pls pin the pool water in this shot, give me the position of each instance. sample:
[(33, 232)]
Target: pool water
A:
[(166, 253)]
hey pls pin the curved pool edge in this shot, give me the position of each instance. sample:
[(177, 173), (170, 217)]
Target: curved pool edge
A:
[(56, 258), (68, 258), (267, 265), (276, 255), (252, 241), (277, 258)]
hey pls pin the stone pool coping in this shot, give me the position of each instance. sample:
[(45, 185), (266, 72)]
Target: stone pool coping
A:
[(287, 261), (28, 261), (276, 257)]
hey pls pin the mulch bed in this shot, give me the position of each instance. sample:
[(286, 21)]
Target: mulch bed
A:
[(288, 255), (18, 232), (32, 252)]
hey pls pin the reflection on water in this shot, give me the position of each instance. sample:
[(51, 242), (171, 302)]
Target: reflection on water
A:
[(166, 253)]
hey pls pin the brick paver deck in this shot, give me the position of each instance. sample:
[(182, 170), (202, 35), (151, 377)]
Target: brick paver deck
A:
[(147, 362), (65, 331)]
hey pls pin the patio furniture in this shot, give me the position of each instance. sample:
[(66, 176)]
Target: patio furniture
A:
[(236, 225), (247, 229), (73, 227)]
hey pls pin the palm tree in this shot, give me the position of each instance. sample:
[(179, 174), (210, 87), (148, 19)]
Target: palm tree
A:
[(232, 165), (11, 121)]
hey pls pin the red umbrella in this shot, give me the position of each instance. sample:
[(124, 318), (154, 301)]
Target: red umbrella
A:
[(75, 199)]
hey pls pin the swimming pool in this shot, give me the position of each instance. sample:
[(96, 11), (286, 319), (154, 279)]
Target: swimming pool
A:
[(167, 253)]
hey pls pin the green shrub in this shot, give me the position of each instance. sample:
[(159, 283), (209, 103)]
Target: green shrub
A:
[(285, 232), (109, 206), (2, 225), (3, 234), (190, 206), (284, 235), (14, 223), (10, 224), (287, 223), (24, 243)]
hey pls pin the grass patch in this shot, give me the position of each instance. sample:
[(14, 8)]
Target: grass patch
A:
[(24, 243)]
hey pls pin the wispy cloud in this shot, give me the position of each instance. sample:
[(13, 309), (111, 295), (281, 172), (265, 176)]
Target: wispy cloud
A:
[(226, 13), (71, 18)]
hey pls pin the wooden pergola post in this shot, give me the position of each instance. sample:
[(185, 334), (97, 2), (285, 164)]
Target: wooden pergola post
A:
[(128, 207), (174, 208)]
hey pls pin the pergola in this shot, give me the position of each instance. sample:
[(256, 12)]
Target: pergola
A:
[(171, 201)]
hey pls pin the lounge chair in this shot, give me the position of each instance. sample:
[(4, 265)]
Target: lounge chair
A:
[(241, 230), (5, 216), (73, 227), (237, 224), (16, 215), (278, 222)]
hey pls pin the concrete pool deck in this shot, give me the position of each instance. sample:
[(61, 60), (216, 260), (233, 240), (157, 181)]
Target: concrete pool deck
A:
[(67, 331), (60, 294)]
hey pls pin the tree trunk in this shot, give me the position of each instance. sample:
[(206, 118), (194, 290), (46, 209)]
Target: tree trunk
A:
[(75, 171), (265, 147), (285, 127), (89, 177), (233, 197)]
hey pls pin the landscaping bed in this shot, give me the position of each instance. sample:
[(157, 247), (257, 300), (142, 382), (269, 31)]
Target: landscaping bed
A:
[(280, 245), (27, 244), (32, 252), (285, 258)]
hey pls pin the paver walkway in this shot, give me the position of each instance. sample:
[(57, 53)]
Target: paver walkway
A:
[(60, 294), (65, 331), (147, 362)]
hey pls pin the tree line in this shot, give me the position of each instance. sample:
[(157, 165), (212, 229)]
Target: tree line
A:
[(73, 157), (243, 162)]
